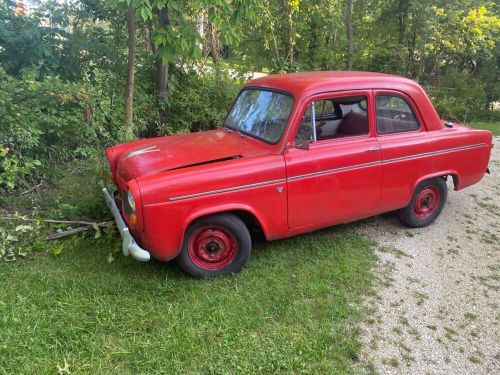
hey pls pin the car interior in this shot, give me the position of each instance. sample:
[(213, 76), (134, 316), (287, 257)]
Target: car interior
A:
[(394, 115), (335, 118), (348, 116)]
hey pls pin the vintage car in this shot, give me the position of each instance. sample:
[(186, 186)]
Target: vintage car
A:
[(296, 153)]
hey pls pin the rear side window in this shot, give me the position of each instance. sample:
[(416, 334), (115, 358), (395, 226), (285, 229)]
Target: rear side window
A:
[(394, 115)]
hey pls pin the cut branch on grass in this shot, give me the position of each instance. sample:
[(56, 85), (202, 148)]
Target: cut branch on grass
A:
[(69, 232), (84, 225), (78, 222)]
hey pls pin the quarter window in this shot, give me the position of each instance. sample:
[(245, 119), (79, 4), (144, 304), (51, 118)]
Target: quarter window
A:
[(394, 115)]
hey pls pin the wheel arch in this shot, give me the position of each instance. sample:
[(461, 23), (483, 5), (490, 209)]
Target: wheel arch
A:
[(247, 214), (444, 174)]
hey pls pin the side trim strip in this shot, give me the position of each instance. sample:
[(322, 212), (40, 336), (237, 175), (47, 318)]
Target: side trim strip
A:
[(395, 160), (357, 166), (425, 154), (241, 187)]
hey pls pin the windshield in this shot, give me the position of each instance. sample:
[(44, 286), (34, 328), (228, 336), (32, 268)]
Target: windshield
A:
[(260, 113)]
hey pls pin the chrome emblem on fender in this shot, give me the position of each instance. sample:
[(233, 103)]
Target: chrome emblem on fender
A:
[(280, 189)]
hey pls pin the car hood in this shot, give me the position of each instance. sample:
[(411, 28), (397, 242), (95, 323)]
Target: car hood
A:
[(151, 156)]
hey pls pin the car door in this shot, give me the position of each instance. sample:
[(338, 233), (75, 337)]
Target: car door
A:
[(406, 147), (338, 178)]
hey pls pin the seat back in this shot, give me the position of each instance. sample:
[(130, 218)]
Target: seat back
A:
[(354, 123)]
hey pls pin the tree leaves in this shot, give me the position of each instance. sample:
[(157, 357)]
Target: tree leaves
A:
[(59, 249)]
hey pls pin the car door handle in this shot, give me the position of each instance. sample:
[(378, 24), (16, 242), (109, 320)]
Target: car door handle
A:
[(374, 148)]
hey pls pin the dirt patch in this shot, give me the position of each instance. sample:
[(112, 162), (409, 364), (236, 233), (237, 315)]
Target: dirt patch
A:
[(436, 310)]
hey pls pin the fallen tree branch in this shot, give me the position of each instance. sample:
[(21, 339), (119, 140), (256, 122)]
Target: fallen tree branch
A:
[(70, 232), (103, 224), (32, 188), (83, 225)]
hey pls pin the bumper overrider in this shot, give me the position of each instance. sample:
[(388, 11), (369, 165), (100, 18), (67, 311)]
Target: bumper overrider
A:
[(129, 246)]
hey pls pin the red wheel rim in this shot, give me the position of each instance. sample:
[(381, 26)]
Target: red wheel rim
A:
[(427, 202), (212, 248)]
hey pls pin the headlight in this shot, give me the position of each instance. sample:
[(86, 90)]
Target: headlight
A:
[(130, 200)]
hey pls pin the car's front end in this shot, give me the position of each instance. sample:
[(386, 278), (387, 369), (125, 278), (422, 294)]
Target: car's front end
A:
[(126, 207), (166, 185)]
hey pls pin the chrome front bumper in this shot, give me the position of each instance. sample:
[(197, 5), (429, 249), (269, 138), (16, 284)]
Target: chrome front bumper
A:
[(129, 246)]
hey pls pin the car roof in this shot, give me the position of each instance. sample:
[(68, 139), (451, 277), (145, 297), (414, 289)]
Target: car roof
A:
[(303, 83)]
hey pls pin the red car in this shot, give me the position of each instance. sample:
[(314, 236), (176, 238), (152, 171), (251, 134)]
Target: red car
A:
[(296, 152)]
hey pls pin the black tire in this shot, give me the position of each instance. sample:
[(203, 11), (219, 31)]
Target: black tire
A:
[(221, 236), (416, 214)]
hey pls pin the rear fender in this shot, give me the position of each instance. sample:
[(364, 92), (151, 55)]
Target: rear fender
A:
[(452, 173)]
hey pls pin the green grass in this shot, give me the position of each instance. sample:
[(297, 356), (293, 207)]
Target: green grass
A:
[(494, 127), (294, 309)]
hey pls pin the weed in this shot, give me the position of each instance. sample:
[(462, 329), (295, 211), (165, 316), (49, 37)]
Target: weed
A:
[(470, 316), (391, 362), (474, 359)]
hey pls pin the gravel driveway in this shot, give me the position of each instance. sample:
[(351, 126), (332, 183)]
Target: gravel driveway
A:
[(436, 307)]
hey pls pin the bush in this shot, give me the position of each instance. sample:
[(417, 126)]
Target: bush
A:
[(198, 101), (48, 122), (41, 120), (458, 96)]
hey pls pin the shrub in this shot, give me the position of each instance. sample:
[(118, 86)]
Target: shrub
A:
[(48, 122), (198, 101), (458, 96)]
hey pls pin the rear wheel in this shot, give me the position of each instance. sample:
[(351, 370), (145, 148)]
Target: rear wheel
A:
[(426, 204), (215, 245)]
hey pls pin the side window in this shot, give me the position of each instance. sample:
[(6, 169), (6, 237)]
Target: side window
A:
[(394, 115), (334, 118)]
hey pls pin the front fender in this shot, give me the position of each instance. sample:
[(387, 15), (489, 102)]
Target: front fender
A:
[(228, 208)]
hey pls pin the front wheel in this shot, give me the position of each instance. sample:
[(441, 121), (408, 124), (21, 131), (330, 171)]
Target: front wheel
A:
[(215, 245), (426, 204)]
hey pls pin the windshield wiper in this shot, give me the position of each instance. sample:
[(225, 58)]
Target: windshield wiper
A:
[(243, 135), (229, 129)]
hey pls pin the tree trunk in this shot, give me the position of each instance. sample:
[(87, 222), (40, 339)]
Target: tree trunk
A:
[(214, 44), (129, 88), (162, 71), (402, 28), (291, 38), (402, 20), (275, 44), (350, 48), (200, 27)]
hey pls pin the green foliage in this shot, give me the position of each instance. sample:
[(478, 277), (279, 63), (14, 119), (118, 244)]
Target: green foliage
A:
[(458, 97), (43, 39), (492, 126), (18, 238), (13, 168), (179, 40), (41, 120), (76, 191), (198, 102), (284, 66)]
